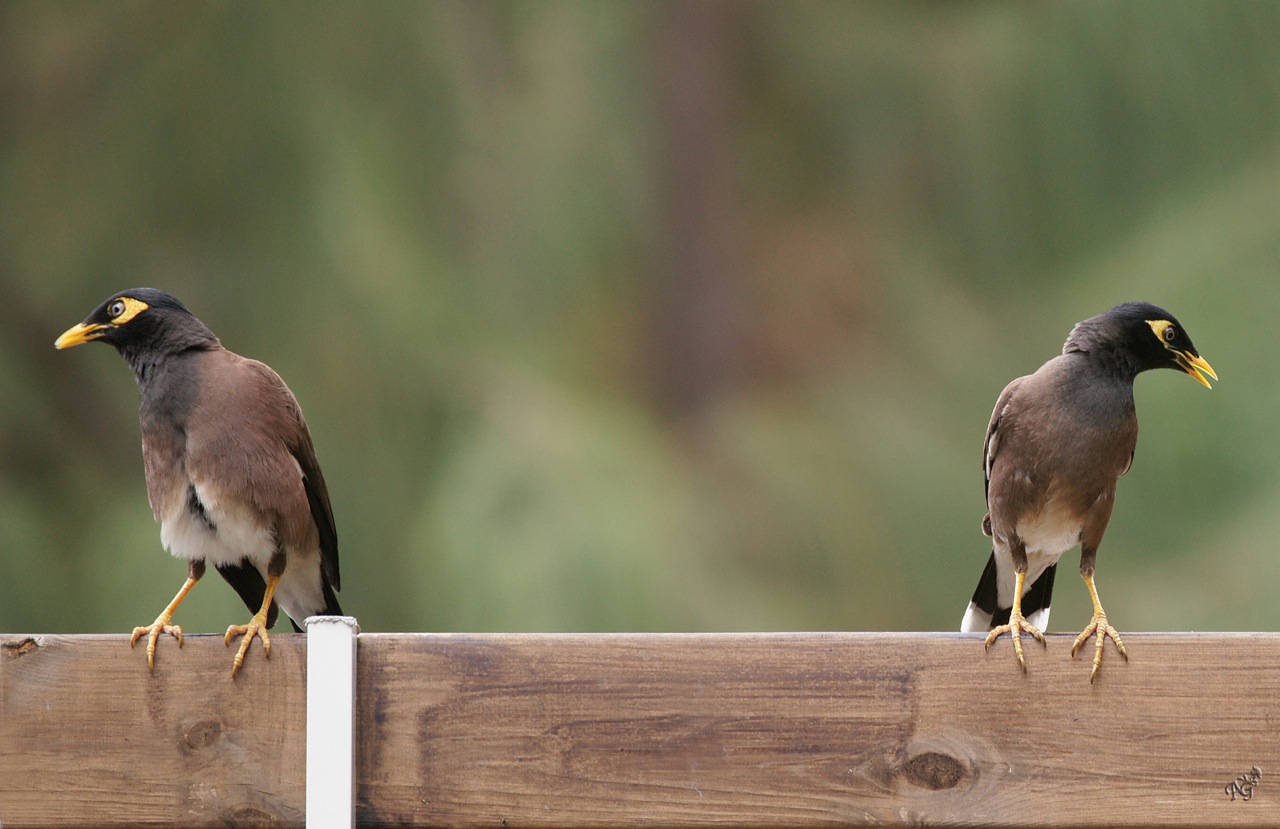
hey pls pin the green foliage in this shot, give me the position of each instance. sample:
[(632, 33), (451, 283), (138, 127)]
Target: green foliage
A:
[(453, 228)]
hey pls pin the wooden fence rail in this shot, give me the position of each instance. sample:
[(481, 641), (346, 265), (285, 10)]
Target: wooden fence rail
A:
[(585, 730)]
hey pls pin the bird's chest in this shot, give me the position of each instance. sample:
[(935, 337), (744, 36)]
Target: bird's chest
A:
[(164, 463), (167, 397), (1057, 474), (199, 520)]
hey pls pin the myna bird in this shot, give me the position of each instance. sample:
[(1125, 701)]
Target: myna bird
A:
[(231, 472), (1057, 442)]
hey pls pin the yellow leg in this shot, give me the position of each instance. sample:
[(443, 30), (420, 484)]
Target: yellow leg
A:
[(1100, 626), (1017, 625), (257, 627), (161, 624)]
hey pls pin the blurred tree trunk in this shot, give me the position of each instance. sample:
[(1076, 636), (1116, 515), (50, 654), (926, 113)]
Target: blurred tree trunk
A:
[(697, 326)]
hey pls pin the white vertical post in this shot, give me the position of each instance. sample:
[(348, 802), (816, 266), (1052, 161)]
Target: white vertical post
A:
[(331, 722)]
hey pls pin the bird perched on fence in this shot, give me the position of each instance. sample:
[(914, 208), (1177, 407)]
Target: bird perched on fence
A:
[(1057, 442), (231, 472)]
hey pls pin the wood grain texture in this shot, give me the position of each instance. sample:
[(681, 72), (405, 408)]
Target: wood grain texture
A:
[(580, 730), (89, 738), (814, 730)]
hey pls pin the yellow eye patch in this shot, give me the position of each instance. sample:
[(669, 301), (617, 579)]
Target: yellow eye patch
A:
[(125, 308), (1163, 329)]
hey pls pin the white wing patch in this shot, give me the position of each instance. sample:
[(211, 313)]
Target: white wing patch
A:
[(976, 620), (993, 446)]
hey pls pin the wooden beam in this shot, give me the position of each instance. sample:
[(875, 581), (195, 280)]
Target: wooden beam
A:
[(89, 738), (580, 730)]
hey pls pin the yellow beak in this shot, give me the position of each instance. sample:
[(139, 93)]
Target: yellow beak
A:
[(1197, 366), (78, 334)]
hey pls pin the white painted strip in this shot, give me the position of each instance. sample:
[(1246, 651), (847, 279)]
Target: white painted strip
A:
[(331, 722)]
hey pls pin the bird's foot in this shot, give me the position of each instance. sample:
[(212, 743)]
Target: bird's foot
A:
[(153, 632), (1018, 625), (1103, 629), (257, 627)]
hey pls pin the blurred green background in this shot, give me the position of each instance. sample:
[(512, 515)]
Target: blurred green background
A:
[(644, 316)]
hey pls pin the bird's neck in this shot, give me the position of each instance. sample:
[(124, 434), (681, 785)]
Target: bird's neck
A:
[(1100, 393), (166, 392), (147, 361), (1114, 364)]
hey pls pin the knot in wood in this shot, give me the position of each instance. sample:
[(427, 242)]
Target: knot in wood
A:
[(21, 646), (934, 770), (200, 734)]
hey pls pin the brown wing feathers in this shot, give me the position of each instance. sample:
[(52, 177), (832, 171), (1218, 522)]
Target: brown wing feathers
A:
[(269, 457), (237, 442)]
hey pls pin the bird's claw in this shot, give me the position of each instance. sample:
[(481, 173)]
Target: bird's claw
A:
[(1016, 627), (153, 632), (257, 627), (1103, 629)]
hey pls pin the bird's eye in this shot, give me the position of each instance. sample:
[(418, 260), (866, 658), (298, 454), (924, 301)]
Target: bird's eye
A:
[(115, 309), (1170, 334)]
